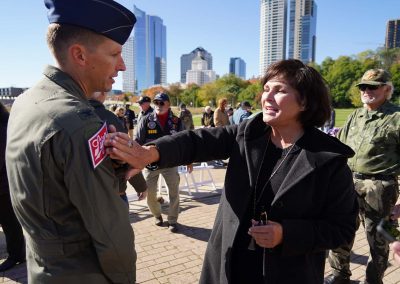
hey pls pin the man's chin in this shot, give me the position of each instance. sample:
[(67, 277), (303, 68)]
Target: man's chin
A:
[(367, 100)]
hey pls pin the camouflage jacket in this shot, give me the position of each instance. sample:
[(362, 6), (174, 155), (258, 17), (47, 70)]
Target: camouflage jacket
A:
[(375, 137)]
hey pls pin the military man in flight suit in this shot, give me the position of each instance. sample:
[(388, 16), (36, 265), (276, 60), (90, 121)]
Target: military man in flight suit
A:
[(62, 184)]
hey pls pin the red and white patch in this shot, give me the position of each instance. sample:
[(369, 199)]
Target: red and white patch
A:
[(96, 146)]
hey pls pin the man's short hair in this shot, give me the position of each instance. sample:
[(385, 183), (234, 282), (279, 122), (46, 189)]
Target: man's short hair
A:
[(61, 36), (245, 104)]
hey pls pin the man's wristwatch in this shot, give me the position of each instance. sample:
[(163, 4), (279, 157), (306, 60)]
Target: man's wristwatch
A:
[(152, 166)]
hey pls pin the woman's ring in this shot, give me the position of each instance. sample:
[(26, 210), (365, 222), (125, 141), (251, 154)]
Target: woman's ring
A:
[(130, 143)]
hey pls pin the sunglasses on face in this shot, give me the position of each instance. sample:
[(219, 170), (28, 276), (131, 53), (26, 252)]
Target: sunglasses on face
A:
[(159, 103), (363, 88)]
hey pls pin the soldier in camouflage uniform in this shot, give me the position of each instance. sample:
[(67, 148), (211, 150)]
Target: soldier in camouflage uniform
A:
[(373, 132)]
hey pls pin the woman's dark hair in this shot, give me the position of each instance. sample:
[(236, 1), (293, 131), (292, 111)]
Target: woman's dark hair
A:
[(314, 92), (3, 113)]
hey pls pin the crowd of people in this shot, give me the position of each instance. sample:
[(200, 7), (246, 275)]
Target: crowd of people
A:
[(291, 192)]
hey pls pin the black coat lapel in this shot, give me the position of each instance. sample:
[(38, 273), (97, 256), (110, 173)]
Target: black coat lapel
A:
[(255, 142), (301, 168)]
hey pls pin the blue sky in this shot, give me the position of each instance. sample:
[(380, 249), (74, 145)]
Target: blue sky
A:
[(225, 28)]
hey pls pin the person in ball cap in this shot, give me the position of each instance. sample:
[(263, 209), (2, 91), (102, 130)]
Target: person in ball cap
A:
[(144, 105), (61, 180), (373, 131), (159, 123)]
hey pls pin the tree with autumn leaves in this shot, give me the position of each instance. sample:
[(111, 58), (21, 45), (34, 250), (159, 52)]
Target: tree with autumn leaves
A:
[(341, 75)]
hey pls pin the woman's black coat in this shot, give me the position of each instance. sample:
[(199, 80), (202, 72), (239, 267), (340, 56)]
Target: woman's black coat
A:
[(316, 204)]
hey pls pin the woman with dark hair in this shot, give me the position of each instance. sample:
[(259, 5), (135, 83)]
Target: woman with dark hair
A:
[(288, 193), (11, 227)]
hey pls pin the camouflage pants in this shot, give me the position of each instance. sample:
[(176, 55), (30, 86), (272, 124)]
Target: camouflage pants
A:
[(376, 199)]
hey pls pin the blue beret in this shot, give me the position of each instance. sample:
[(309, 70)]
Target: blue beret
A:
[(105, 17), (161, 97)]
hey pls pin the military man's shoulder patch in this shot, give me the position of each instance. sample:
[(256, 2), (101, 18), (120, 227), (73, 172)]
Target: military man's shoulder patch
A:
[(96, 146)]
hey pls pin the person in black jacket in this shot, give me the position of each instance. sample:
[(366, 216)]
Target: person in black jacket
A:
[(11, 227), (130, 118), (207, 120), (288, 194)]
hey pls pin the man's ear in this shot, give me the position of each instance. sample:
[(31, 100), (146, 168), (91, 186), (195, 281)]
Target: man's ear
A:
[(78, 54)]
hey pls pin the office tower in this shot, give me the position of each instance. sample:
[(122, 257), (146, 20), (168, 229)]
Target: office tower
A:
[(149, 51), (186, 61), (128, 76), (393, 34), (200, 74), (273, 17), (237, 66), (302, 30)]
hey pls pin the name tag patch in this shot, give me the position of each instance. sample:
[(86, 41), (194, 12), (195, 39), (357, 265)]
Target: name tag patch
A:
[(96, 146)]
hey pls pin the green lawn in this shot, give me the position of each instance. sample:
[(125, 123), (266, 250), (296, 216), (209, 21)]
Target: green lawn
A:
[(341, 115), (197, 119)]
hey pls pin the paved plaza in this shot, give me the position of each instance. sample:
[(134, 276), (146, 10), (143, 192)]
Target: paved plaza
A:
[(165, 257)]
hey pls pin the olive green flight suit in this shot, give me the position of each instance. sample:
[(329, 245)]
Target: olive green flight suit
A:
[(77, 228)]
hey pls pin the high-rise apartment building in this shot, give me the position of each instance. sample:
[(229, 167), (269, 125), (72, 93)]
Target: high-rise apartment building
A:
[(128, 76), (237, 66), (393, 34), (200, 73), (301, 33), (186, 61), (273, 18), (149, 52), (302, 30)]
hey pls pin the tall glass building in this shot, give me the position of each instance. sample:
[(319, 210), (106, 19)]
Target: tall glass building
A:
[(302, 30), (186, 61), (273, 18), (393, 34), (149, 52), (128, 76), (300, 35), (237, 66)]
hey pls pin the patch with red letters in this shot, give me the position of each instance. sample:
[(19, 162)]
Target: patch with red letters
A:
[(96, 146)]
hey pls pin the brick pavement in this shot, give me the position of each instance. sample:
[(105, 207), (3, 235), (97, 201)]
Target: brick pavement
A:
[(164, 257)]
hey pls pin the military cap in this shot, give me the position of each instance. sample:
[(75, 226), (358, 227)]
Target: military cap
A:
[(375, 77), (105, 17), (161, 97), (144, 99)]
